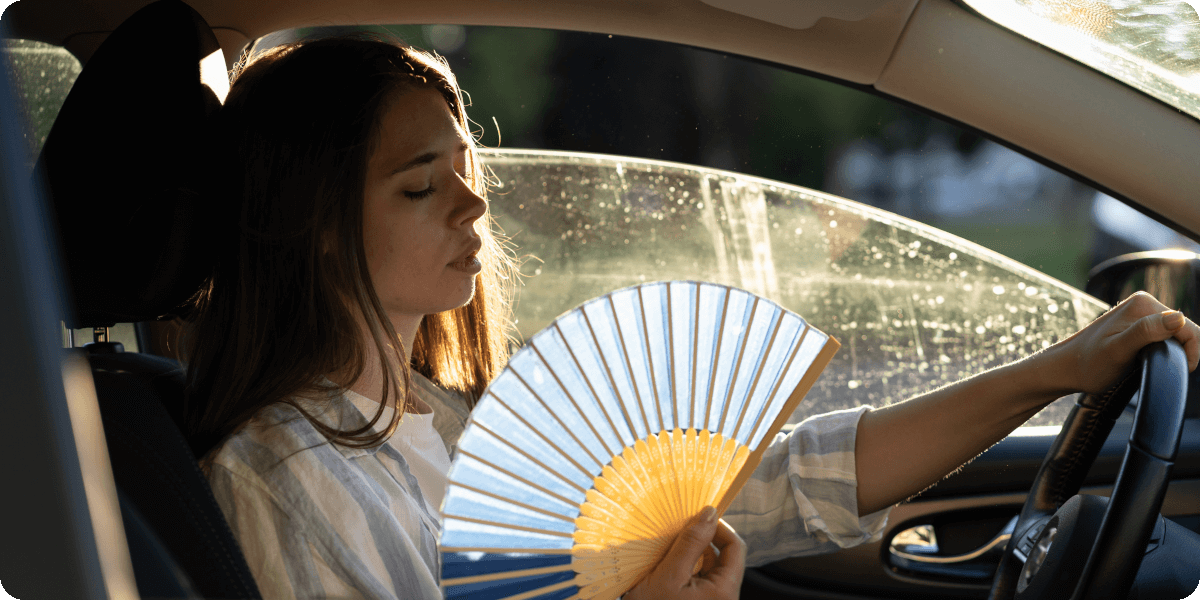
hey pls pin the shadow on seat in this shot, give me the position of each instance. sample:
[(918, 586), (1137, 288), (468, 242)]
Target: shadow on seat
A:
[(124, 166)]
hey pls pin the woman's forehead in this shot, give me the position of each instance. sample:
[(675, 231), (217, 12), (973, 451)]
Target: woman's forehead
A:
[(416, 121)]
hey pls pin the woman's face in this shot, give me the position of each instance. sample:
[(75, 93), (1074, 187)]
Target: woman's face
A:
[(419, 211)]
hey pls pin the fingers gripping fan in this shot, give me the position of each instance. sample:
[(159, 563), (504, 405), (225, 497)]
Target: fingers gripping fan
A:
[(611, 429)]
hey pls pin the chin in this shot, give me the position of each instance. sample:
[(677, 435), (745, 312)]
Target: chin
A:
[(465, 297)]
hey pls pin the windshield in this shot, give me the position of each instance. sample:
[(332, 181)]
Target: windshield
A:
[(1153, 46), (914, 308)]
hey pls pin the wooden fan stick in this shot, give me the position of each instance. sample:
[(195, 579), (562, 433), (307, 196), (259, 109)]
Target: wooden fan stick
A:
[(688, 457), (542, 591), (671, 349), (810, 377), (508, 575), (505, 550), (705, 456), (695, 357)]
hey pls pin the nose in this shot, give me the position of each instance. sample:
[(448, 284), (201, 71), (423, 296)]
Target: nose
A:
[(469, 208)]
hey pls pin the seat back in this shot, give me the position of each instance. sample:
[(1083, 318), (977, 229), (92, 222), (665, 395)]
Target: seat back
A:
[(154, 469), (125, 168)]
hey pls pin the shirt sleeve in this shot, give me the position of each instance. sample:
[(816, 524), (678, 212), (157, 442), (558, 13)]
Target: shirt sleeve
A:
[(802, 499), (292, 554)]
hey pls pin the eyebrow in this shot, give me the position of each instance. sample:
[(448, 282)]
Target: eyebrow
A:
[(427, 158)]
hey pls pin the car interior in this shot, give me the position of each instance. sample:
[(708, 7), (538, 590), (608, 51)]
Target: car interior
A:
[(117, 223)]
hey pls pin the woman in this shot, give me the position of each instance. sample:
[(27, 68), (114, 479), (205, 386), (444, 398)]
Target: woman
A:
[(364, 246)]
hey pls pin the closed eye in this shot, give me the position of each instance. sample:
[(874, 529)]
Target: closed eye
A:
[(425, 193)]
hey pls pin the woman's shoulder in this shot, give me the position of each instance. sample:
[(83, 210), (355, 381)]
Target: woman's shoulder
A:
[(277, 434)]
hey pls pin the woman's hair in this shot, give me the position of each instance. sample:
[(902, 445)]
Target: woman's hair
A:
[(283, 308)]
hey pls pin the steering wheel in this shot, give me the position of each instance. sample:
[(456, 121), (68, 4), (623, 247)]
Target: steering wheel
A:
[(1067, 545)]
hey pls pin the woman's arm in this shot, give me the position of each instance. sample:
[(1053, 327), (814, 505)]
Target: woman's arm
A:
[(904, 448)]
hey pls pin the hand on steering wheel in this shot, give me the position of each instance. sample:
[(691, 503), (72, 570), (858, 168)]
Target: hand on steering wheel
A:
[(1102, 353), (1083, 546)]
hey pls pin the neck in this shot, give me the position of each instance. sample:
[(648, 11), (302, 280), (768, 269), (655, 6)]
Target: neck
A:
[(370, 382), (406, 327)]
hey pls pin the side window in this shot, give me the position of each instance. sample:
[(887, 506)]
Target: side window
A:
[(913, 307), (44, 74)]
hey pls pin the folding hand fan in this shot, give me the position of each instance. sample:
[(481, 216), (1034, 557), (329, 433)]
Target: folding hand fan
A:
[(611, 429)]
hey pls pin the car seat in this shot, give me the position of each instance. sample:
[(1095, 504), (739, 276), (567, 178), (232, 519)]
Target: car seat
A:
[(124, 167)]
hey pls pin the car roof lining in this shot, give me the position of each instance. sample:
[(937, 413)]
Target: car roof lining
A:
[(953, 63), (935, 54), (855, 51)]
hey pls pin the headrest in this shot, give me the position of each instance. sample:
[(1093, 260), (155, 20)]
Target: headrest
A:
[(125, 164)]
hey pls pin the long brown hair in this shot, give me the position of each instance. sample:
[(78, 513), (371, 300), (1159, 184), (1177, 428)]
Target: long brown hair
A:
[(282, 309)]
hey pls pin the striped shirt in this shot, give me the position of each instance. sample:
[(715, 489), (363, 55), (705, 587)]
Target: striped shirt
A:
[(319, 520)]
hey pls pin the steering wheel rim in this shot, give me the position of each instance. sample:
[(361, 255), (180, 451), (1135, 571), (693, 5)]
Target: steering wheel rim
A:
[(1124, 525)]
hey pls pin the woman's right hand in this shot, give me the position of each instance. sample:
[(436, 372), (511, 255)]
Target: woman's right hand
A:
[(673, 578)]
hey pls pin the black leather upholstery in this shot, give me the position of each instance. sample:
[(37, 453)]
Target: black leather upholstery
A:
[(125, 170)]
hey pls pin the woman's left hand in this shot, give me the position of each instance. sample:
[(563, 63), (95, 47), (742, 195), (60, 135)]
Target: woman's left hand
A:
[(1097, 356), (675, 578)]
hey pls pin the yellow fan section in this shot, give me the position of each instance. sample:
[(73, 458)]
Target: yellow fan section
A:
[(642, 500)]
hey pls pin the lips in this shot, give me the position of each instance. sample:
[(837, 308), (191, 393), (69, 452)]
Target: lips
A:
[(469, 261)]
